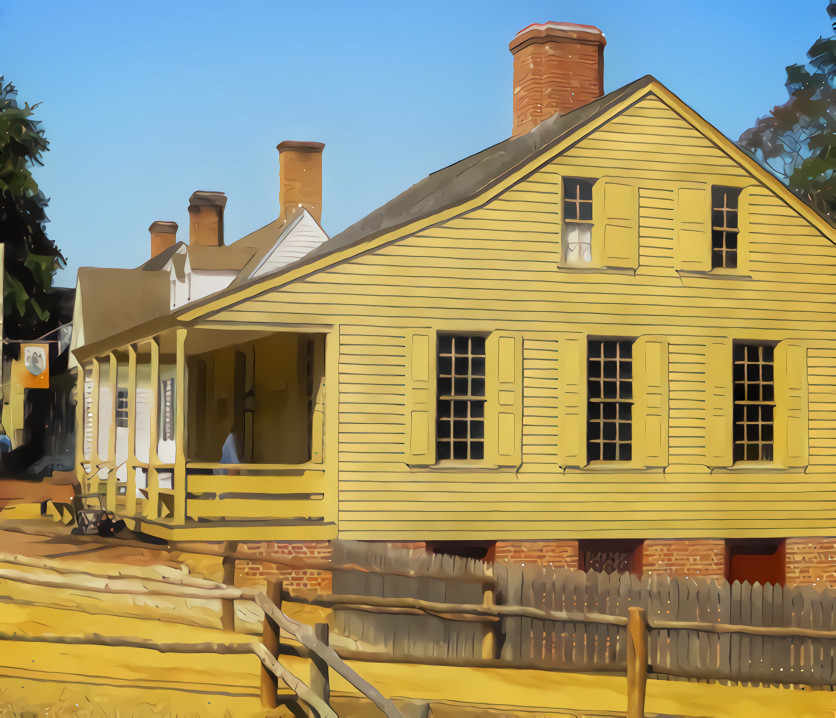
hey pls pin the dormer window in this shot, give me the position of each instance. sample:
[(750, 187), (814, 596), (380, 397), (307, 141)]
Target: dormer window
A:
[(576, 249)]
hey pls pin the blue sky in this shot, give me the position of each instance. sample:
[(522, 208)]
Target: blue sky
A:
[(143, 103)]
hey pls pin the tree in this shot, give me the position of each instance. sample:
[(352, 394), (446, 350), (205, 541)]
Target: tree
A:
[(797, 140), (31, 258)]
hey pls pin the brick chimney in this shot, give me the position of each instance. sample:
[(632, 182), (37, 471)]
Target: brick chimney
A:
[(300, 178), (163, 236), (206, 218), (558, 67)]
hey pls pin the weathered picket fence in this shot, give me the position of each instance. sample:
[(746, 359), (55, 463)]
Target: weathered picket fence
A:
[(415, 606)]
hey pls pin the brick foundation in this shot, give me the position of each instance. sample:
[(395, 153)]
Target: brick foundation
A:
[(684, 557), (559, 553), (296, 578), (811, 561)]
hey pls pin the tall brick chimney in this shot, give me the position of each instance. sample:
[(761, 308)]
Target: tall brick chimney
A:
[(163, 236), (300, 178), (558, 67), (206, 218)]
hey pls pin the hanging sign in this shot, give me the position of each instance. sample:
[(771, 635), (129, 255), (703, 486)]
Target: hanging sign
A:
[(35, 358)]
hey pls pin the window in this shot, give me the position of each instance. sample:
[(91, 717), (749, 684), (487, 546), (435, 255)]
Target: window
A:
[(754, 401), (461, 398), (167, 417), (610, 556), (577, 222), (609, 433), (122, 408), (724, 227)]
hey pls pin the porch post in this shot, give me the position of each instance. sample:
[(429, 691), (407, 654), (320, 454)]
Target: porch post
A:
[(130, 486), (111, 440), (93, 478), (80, 473), (180, 430), (152, 509)]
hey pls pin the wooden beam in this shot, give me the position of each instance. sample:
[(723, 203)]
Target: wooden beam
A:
[(111, 440), (319, 668), (152, 508), (636, 661), (130, 486), (80, 473), (180, 399), (94, 426), (270, 638)]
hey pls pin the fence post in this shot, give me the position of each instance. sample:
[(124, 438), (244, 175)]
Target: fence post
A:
[(270, 639), (228, 604), (489, 638), (319, 669), (636, 661)]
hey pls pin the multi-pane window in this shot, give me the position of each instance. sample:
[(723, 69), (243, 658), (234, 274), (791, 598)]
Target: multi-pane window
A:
[(460, 411), (754, 401), (122, 408), (577, 221), (724, 227), (609, 431)]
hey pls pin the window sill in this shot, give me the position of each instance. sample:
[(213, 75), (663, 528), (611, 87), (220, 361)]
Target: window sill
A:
[(613, 467), (458, 466), (597, 270), (757, 467), (717, 273)]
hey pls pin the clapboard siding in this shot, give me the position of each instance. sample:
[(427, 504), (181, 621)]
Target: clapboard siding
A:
[(496, 267)]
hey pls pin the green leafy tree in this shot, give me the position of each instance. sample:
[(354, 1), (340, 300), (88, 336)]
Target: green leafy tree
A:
[(797, 140), (31, 257)]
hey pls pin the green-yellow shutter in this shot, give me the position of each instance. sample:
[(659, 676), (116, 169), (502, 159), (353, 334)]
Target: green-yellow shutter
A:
[(616, 223), (571, 423), (791, 414), (650, 401), (420, 397), (719, 430), (503, 392), (693, 229)]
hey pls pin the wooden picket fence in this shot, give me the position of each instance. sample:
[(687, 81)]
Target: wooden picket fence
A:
[(419, 607)]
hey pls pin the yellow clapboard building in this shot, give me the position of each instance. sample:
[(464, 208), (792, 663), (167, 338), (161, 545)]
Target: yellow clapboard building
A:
[(606, 342)]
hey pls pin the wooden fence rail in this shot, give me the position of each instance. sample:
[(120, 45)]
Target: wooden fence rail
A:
[(138, 583)]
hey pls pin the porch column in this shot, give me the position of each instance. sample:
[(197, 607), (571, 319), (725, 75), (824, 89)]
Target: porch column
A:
[(180, 430), (130, 484), (93, 476), (80, 473), (111, 439), (152, 508)]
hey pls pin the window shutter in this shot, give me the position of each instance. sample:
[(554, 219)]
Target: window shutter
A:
[(317, 367), (719, 430), (503, 393), (693, 230), (791, 422), (420, 397), (650, 401), (616, 209), (571, 423)]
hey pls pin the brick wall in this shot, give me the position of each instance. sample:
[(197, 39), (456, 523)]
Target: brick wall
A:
[(560, 553), (684, 557), (296, 577), (811, 561)]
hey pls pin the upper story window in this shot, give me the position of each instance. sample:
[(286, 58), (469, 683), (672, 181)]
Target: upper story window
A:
[(724, 227), (609, 432), (460, 430), (122, 408), (576, 249), (754, 401)]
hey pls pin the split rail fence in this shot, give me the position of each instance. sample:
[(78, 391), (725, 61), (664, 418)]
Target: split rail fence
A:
[(410, 606), (314, 642)]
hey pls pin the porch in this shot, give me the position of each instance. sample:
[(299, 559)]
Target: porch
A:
[(213, 434)]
